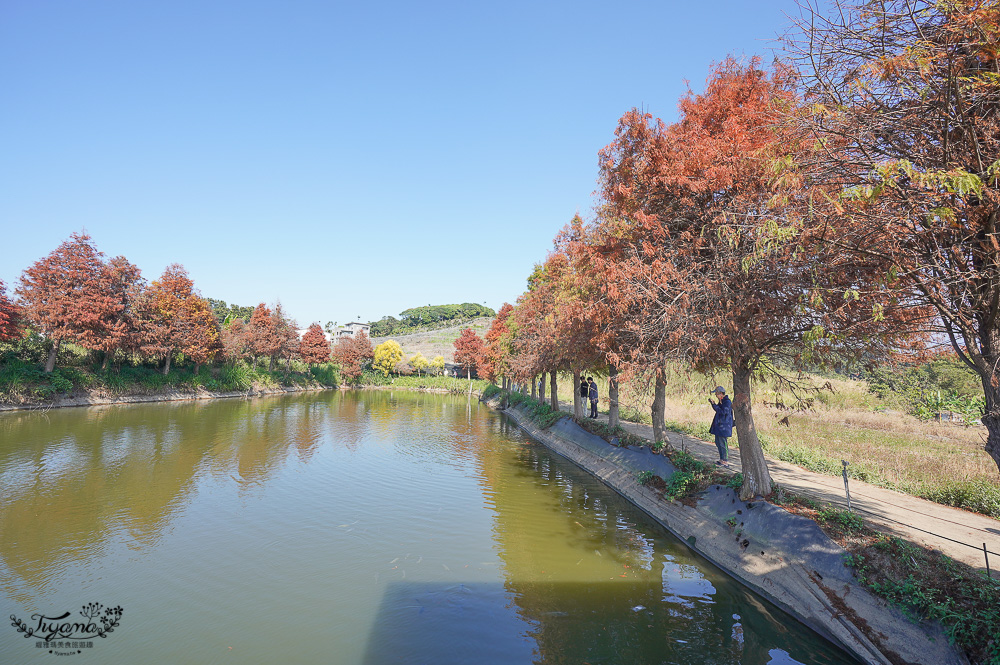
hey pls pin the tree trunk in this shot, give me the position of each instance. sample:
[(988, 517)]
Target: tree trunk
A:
[(506, 387), (991, 417), (104, 363), (534, 387), (166, 362), (270, 364), (553, 393), (658, 410), (197, 366), (541, 389), (756, 478), (613, 397), (50, 363), (577, 404)]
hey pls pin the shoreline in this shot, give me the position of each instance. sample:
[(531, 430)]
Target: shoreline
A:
[(180, 396), (168, 396), (780, 556)]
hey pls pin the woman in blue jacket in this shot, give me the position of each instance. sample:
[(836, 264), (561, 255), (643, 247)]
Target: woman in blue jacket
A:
[(722, 424)]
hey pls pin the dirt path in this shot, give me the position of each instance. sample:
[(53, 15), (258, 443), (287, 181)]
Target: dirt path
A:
[(958, 533)]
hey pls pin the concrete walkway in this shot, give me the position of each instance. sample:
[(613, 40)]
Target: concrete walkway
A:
[(960, 534)]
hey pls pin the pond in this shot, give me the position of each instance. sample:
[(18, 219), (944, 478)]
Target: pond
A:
[(345, 527)]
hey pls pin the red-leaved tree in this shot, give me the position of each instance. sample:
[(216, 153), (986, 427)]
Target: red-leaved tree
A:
[(236, 341), (120, 324), (66, 296), (10, 315), (469, 351), (314, 348), (353, 354)]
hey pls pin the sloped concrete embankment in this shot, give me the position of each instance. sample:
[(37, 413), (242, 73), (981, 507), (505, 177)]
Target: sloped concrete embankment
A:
[(783, 557)]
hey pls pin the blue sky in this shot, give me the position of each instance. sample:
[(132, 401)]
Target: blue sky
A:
[(349, 159)]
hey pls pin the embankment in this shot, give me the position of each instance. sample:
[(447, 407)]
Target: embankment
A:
[(783, 557), (163, 396)]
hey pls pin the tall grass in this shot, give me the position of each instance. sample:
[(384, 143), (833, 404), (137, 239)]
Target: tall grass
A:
[(884, 444)]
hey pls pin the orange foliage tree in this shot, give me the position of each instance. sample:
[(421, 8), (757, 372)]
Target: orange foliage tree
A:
[(905, 97), (264, 336), (497, 346), (314, 348), (66, 295), (196, 331), (711, 261), (556, 329), (174, 317)]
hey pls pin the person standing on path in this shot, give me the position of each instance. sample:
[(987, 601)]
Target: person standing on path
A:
[(593, 397), (722, 424), (584, 390)]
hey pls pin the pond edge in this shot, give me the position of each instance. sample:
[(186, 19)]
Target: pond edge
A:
[(782, 557)]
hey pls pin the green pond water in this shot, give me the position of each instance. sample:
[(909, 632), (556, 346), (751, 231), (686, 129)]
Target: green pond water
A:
[(346, 527)]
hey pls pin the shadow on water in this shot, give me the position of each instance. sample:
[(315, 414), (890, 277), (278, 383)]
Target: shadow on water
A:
[(568, 623)]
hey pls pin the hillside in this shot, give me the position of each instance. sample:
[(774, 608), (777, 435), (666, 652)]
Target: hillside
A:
[(438, 342)]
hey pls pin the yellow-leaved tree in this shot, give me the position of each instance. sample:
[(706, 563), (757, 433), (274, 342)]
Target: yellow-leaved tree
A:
[(438, 364), (418, 362), (387, 354)]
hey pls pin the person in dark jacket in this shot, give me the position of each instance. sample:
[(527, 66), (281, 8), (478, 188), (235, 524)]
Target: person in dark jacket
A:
[(593, 397), (584, 390), (722, 424)]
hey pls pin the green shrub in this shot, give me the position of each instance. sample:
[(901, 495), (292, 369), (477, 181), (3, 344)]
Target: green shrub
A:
[(847, 520), (634, 415), (541, 413), (491, 390), (980, 495), (931, 388), (684, 461), (679, 483), (925, 585), (327, 374)]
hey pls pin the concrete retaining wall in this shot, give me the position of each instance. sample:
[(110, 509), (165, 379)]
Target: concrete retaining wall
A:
[(783, 557)]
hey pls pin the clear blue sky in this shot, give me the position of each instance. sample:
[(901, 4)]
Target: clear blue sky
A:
[(350, 159)]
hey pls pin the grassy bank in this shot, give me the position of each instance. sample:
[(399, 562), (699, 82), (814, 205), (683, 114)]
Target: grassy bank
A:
[(24, 382), (448, 384), (925, 584), (840, 420)]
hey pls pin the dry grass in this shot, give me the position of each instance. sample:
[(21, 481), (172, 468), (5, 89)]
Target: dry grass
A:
[(844, 422), (439, 342)]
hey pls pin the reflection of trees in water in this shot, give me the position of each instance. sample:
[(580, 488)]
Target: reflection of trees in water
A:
[(425, 425), (75, 479), (607, 591)]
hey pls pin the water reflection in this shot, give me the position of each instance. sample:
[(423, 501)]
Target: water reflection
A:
[(426, 523), (599, 582)]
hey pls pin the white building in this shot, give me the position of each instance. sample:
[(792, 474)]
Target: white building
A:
[(351, 330)]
